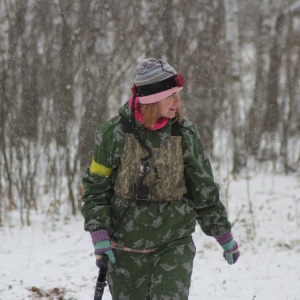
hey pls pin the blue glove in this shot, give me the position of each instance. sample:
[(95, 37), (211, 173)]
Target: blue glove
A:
[(231, 248), (102, 246)]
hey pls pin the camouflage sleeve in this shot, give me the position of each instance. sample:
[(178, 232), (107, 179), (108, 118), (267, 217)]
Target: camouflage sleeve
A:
[(98, 179), (203, 191), (95, 208)]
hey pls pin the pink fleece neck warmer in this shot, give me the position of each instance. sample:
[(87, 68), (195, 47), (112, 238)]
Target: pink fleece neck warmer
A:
[(138, 115)]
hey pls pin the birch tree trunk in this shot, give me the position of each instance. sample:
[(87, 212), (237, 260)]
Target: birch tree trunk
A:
[(290, 106), (234, 84), (258, 107)]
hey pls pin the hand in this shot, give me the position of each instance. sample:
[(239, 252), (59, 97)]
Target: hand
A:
[(232, 254), (231, 248), (102, 247)]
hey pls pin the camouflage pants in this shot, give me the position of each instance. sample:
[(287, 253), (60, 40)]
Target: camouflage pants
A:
[(162, 275)]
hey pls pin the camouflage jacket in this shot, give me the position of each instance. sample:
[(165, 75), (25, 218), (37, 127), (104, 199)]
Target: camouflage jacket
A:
[(140, 224)]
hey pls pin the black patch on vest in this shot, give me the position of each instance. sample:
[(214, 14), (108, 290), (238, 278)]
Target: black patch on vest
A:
[(175, 131), (126, 125)]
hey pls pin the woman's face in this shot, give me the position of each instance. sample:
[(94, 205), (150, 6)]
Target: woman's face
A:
[(167, 107)]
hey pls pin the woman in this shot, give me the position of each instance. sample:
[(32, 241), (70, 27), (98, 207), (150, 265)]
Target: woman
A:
[(149, 182)]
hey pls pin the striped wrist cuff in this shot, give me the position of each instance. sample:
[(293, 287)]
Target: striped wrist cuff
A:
[(225, 238), (99, 235), (228, 246)]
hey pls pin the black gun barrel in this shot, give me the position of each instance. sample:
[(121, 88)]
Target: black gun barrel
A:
[(101, 280)]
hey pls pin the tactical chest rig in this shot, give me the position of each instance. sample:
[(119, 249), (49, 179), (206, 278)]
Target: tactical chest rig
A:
[(156, 177)]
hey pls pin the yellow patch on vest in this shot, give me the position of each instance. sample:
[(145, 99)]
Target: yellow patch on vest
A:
[(100, 169)]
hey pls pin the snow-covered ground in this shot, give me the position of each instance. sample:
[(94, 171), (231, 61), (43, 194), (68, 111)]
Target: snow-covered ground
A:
[(53, 259)]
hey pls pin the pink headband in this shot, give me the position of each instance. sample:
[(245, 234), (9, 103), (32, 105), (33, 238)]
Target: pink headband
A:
[(159, 96)]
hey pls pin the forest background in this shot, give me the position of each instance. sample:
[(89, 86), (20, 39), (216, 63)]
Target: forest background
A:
[(66, 66)]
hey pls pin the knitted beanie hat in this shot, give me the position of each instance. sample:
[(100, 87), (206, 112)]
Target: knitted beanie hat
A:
[(155, 80)]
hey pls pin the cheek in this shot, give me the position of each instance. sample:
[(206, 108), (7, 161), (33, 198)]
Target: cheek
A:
[(166, 107), (168, 104)]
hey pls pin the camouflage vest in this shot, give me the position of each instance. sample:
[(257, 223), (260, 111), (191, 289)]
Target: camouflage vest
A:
[(166, 177)]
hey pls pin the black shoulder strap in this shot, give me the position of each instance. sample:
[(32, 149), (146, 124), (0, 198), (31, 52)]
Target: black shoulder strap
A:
[(175, 131), (126, 125)]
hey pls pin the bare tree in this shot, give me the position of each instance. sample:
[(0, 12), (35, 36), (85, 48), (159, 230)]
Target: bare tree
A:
[(290, 107), (66, 66), (257, 110), (234, 85)]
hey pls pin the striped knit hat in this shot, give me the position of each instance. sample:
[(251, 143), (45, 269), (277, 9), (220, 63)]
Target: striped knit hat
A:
[(155, 80)]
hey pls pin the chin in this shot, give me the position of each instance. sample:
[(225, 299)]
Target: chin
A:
[(171, 115)]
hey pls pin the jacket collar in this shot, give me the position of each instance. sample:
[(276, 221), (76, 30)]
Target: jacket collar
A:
[(125, 111)]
